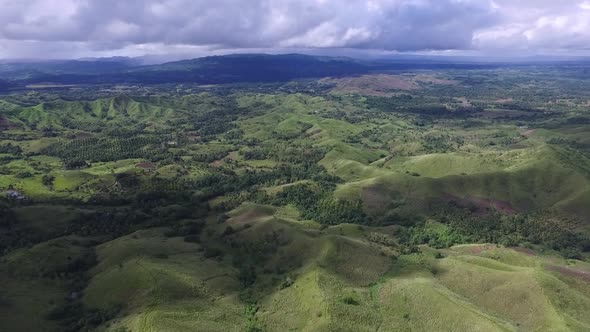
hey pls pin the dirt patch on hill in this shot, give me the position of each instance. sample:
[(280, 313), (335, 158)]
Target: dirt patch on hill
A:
[(583, 275), (374, 199), (50, 86), (5, 124), (216, 163), (250, 215), (464, 102), (502, 206), (384, 85), (529, 132), (526, 251), (481, 206), (372, 85), (315, 134), (434, 80), (82, 135), (145, 166), (478, 249), (504, 114)]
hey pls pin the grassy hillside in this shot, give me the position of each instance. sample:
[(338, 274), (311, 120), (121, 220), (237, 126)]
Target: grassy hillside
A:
[(344, 282), (64, 114)]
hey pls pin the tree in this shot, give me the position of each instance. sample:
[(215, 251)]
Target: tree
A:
[(47, 180)]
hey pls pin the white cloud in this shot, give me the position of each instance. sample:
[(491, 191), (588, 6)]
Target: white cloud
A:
[(538, 26), (392, 25)]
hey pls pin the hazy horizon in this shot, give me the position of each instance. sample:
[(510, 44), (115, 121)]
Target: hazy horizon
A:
[(149, 59)]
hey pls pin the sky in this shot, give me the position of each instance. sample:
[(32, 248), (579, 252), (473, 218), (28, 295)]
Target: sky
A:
[(188, 28)]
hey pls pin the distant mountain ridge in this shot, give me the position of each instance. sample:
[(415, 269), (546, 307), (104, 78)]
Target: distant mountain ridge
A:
[(235, 68), (4, 85), (27, 70)]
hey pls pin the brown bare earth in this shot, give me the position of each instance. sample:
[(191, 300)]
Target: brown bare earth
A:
[(4, 124), (193, 136), (372, 85), (526, 251), (529, 132), (249, 216), (384, 85), (482, 205), (504, 114), (82, 135), (49, 86), (314, 131), (502, 206), (464, 101), (504, 101), (434, 80), (374, 199), (145, 166), (476, 250), (216, 163), (584, 275)]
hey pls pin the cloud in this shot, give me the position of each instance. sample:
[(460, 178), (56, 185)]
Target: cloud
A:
[(132, 26), (538, 25)]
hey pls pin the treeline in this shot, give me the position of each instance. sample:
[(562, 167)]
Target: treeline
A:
[(76, 152), (216, 184), (287, 153), (461, 226), (350, 117), (211, 156), (10, 149), (320, 205), (218, 121), (12, 236), (242, 185), (541, 228)]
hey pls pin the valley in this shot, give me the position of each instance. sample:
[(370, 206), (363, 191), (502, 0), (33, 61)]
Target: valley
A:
[(376, 198)]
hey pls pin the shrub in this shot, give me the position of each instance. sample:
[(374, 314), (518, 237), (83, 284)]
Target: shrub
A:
[(212, 252), (350, 300), (247, 276), (228, 231), (23, 174), (47, 180), (286, 283), (222, 218), (192, 238)]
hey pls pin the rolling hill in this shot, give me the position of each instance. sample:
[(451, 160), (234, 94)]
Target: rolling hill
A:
[(420, 200)]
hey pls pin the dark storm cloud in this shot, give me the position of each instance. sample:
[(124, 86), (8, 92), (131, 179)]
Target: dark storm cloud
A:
[(98, 26)]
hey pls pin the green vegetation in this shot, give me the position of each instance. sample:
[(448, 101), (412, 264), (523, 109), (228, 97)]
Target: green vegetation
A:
[(450, 200)]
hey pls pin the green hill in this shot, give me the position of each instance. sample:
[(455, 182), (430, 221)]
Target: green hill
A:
[(65, 114), (314, 281)]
